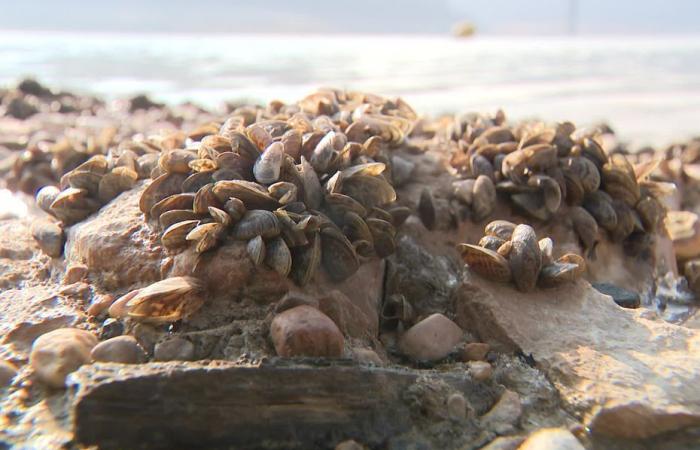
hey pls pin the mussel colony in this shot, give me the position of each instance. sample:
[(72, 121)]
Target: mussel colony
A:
[(542, 170), (510, 252), (306, 185)]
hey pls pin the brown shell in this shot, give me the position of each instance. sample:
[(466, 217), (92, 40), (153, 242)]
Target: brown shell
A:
[(485, 262), (306, 260), (163, 186), (166, 301), (278, 257), (491, 242), (525, 258), (502, 229), (483, 198), (338, 255), (257, 222)]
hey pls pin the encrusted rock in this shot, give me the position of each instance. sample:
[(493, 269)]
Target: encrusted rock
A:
[(58, 353), (306, 331), (505, 414), (551, 439), (49, 236), (120, 349), (475, 351), (75, 273), (174, 349), (431, 339)]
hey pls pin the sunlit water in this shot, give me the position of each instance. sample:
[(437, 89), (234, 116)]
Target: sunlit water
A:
[(648, 89)]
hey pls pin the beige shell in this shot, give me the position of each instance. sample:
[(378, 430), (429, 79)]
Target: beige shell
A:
[(166, 301), (174, 237), (337, 254), (525, 258), (485, 262), (278, 257), (502, 229), (253, 195)]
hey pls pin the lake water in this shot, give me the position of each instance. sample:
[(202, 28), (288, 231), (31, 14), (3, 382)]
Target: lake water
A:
[(647, 88)]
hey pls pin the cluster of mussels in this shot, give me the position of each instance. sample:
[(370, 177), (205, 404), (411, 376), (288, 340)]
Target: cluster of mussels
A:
[(510, 252), (541, 169), (306, 185), (93, 183)]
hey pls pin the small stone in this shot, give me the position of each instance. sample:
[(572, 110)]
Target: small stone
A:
[(456, 407), (623, 297), (505, 443), (505, 414), (147, 335), (306, 331), (431, 339), (49, 236), (111, 328), (551, 439), (367, 356), (75, 273), (480, 370), (350, 445), (120, 349), (99, 304), (77, 291), (475, 351), (59, 352), (7, 373), (175, 349)]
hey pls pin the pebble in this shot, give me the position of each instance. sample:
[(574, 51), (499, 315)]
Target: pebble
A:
[(59, 352), (480, 370), (431, 339), (120, 349), (49, 236), (75, 273), (367, 356), (350, 445), (7, 373), (111, 328), (174, 349), (21, 109), (551, 439), (456, 407), (78, 291), (99, 304), (623, 297), (147, 335), (475, 351), (505, 414), (306, 331)]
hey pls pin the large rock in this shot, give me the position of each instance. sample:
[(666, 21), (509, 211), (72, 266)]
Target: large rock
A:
[(116, 244), (21, 261), (626, 376)]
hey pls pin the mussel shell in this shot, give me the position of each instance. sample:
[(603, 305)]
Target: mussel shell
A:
[(584, 225), (502, 229), (525, 258), (426, 209), (306, 260), (257, 222), (256, 250), (600, 206), (174, 236), (483, 198), (267, 168), (176, 161), (383, 234), (120, 179), (338, 255), (174, 216), (253, 195), (160, 188), (485, 262), (491, 242), (175, 201), (278, 257), (370, 191)]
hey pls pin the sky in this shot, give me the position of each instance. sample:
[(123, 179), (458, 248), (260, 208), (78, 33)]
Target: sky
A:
[(355, 16)]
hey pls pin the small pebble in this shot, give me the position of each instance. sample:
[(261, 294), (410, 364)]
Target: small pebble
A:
[(49, 236), (174, 349), (367, 356), (456, 407), (551, 439), (350, 445), (504, 416), (306, 331), (57, 353), (623, 297), (475, 351), (480, 370), (7, 373), (111, 328), (75, 273), (431, 339), (78, 291), (120, 349), (147, 335), (99, 304)]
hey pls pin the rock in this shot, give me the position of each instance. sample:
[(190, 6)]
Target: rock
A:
[(75, 273), (623, 297), (78, 291), (58, 353), (504, 443), (350, 445), (7, 373), (116, 244), (174, 349), (142, 102), (480, 370), (691, 270), (456, 407), (33, 87), (306, 331), (111, 328), (624, 375), (431, 339), (100, 303), (505, 414), (294, 298), (147, 335), (120, 349), (49, 236), (367, 356), (475, 351), (22, 263), (351, 319), (21, 109), (551, 439)]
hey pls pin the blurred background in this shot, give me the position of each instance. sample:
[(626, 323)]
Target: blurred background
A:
[(632, 63)]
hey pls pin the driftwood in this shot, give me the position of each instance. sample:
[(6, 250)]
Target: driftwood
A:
[(273, 405)]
